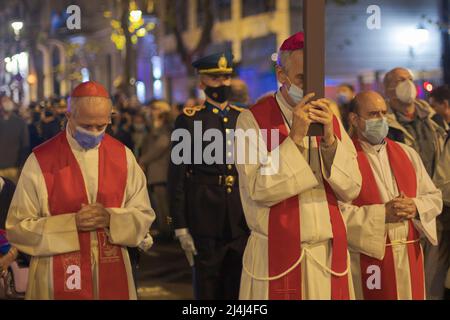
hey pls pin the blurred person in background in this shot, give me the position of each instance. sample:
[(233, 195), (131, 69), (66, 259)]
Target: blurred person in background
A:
[(126, 122), (50, 124), (7, 188), (440, 101), (14, 140), (120, 101), (345, 94), (411, 119), (115, 129), (133, 103), (34, 125), (239, 93), (16, 281), (60, 111), (155, 160), (147, 112), (138, 132)]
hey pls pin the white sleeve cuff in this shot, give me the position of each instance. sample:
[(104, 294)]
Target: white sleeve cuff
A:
[(181, 232)]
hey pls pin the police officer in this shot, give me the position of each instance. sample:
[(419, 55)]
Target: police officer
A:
[(205, 202)]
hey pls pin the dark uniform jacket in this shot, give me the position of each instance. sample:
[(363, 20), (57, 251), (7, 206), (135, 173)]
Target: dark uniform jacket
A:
[(205, 197)]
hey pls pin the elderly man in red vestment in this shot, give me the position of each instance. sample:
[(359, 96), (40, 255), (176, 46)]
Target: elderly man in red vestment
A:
[(80, 201), (298, 246)]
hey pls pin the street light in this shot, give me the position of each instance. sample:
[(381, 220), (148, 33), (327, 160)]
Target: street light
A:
[(414, 37), (135, 15), (421, 35), (17, 26)]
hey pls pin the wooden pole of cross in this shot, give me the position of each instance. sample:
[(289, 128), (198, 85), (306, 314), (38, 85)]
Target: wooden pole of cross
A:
[(314, 28)]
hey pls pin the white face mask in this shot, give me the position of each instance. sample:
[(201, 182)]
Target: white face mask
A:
[(296, 93), (376, 130), (406, 91)]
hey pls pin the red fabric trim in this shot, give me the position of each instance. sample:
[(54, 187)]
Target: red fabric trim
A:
[(339, 285), (284, 218), (284, 223), (66, 192), (405, 177)]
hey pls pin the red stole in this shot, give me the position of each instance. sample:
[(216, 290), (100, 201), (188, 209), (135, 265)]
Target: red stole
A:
[(405, 177), (72, 273), (284, 223)]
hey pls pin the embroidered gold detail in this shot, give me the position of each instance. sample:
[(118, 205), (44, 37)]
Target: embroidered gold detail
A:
[(191, 111), (223, 63)]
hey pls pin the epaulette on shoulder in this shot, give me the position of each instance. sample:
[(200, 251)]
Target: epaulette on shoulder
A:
[(191, 111), (237, 108)]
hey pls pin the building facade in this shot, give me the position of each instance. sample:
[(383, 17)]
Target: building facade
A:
[(355, 53)]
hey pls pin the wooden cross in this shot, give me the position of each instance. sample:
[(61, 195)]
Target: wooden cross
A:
[(314, 28)]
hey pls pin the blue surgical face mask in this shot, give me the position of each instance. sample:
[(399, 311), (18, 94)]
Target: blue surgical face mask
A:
[(376, 130), (295, 93), (343, 99), (86, 139)]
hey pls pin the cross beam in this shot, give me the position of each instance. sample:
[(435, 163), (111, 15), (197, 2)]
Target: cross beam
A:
[(314, 28)]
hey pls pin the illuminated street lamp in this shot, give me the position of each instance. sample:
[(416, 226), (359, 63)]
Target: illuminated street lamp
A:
[(418, 36), (414, 37), (17, 27), (135, 15)]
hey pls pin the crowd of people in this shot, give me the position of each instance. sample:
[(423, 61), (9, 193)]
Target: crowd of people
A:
[(378, 180)]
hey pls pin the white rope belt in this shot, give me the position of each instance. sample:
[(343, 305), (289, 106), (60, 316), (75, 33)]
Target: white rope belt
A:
[(401, 242), (295, 265)]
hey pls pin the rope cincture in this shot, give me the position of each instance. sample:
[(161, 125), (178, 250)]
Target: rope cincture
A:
[(295, 265), (401, 242)]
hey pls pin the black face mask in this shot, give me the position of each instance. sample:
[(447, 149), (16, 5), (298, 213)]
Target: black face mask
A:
[(36, 116), (218, 94)]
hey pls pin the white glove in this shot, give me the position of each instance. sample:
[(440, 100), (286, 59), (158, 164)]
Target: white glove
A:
[(147, 243), (187, 243)]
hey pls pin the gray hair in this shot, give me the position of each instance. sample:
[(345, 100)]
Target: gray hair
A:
[(283, 59), (389, 77)]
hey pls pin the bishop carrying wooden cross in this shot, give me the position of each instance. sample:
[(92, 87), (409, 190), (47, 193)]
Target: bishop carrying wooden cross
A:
[(298, 244)]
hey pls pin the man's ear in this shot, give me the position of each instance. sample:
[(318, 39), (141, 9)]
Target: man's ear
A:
[(352, 117), (281, 75)]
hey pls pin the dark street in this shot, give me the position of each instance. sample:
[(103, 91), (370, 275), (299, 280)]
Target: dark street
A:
[(164, 273)]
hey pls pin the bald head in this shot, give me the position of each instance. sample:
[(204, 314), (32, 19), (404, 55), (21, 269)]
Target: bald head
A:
[(90, 113), (367, 105), (368, 101)]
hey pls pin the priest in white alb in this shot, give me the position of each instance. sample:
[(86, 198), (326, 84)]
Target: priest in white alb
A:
[(298, 245), (80, 201), (397, 206)]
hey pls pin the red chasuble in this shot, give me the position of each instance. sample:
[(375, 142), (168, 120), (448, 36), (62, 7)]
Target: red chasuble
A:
[(284, 223), (72, 272), (405, 176)]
